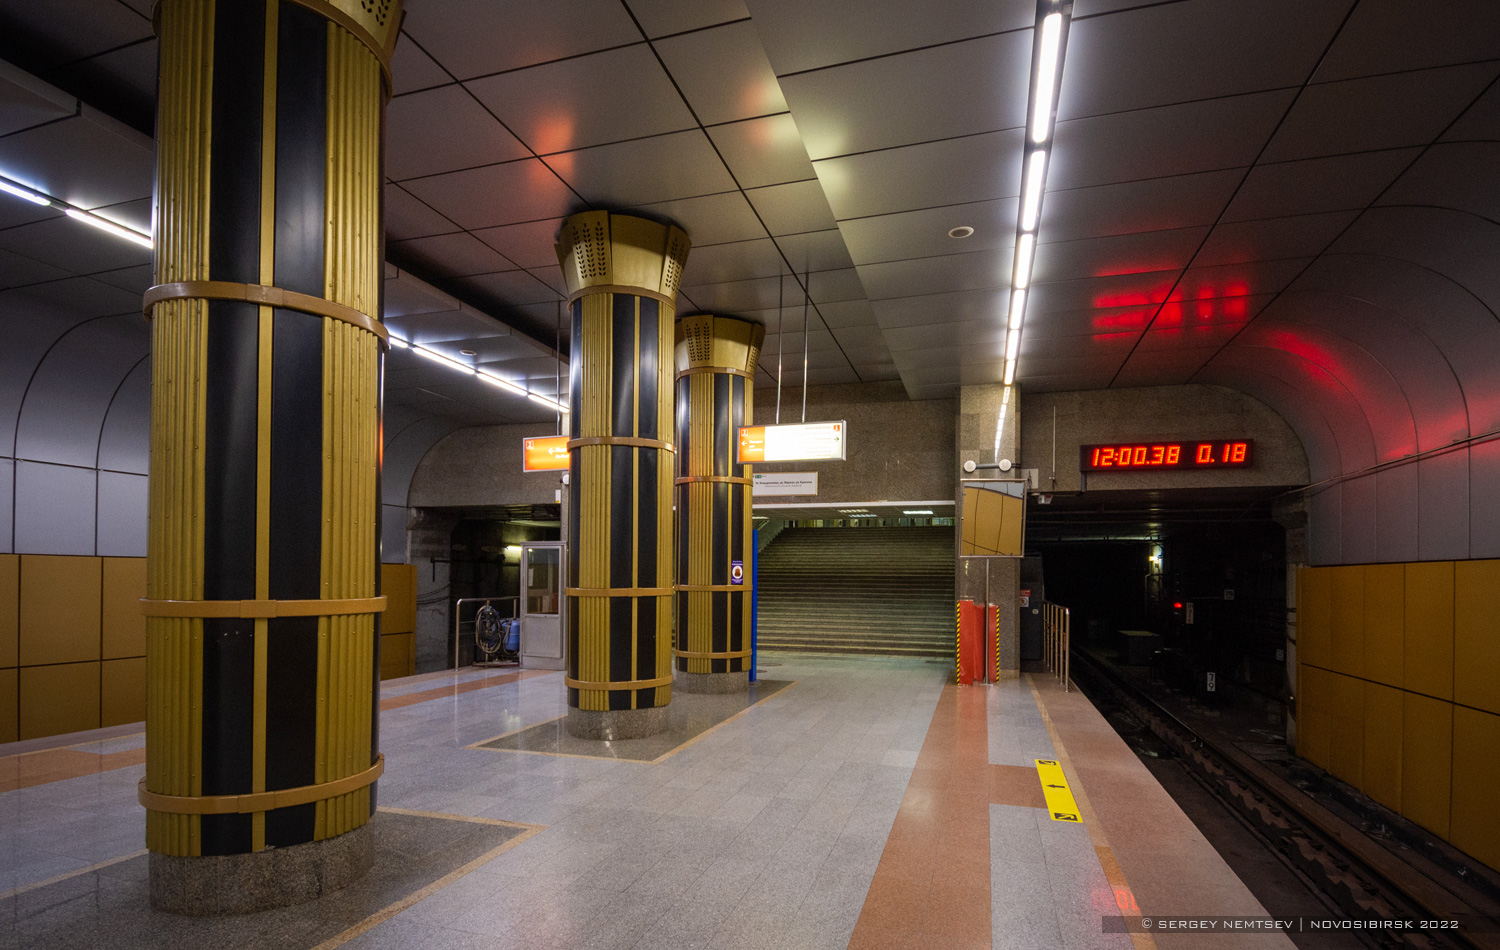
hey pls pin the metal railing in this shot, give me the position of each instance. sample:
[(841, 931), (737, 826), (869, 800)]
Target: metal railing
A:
[(459, 623), (1057, 625)]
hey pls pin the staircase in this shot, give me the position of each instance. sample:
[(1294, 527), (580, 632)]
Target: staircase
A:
[(886, 591)]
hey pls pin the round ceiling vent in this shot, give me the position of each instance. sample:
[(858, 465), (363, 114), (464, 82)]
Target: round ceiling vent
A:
[(469, 352), (959, 233)]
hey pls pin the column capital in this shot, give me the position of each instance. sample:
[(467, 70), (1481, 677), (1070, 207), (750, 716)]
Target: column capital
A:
[(604, 252)]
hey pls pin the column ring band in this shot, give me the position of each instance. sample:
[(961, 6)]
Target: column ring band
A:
[(260, 294)]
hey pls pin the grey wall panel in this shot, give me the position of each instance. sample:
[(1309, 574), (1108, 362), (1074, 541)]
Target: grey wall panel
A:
[(54, 509), (404, 451), (31, 328), (63, 409), (125, 444), (1319, 443), (1396, 514), (1443, 507), (1325, 512), (1484, 499), (7, 503), (392, 534), (122, 515), (1357, 525)]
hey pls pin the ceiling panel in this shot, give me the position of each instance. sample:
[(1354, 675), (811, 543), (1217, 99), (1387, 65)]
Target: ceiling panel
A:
[(496, 194), (908, 98), (1452, 175), (1480, 122), (1209, 311), (72, 246), (1305, 235), (413, 69), (663, 17), (84, 162), (451, 255), (1143, 252), (89, 28), (527, 245), (26, 102), (1386, 36), (982, 270), (792, 208), (1122, 290), (1317, 185), (717, 263), (815, 250), (476, 39), (1380, 112), (799, 35), (512, 287), (1238, 280), (1201, 49), (941, 308), (924, 233), (643, 171), (17, 270), (724, 73), (1160, 204), (1170, 140), (976, 168), (764, 151), (711, 219), (1093, 320), (588, 100), (406, 216), (471, 137), (983, 334)]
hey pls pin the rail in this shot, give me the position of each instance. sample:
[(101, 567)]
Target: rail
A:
[(458, 619), (1057, 624)]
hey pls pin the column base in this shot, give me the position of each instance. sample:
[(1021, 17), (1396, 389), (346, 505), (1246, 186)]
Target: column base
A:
[(221, 885), (616, 723), (712, 682)]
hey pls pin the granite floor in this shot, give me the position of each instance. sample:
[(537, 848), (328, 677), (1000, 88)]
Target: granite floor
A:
[(866, 803)]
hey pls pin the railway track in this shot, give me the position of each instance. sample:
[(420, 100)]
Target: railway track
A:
[(1352, 874)]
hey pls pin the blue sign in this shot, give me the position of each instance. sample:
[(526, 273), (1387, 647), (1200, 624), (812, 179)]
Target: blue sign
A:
[(736, 572)]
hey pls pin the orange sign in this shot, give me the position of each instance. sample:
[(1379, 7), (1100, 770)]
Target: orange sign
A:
[(548, 454), (804, 442)]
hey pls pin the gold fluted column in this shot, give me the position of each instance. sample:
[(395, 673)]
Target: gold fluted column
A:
[(716, 359), (622, 274), (263, 554)]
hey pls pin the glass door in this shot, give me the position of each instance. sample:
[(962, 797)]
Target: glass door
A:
[(541, 604)]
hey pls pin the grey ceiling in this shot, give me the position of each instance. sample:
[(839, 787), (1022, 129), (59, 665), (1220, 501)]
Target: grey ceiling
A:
[(1298, 198)]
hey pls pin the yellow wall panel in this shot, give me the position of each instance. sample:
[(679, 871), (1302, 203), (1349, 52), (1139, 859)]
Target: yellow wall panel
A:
[(1314, 726), (1382, 766), (59, 699), (59, 610), (1385, 621), (1426, 761), (1476, 776), (1476, 635), (122, 625), (8, 709), (1347, 718), (123, 691), (396, 656), (10, 609), (1429, 628), (1314, 615), (1346, 626), (399, 584)]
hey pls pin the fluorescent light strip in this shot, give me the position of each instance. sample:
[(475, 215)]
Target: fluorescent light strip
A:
[(1046, 78), (440, 358), (494, 380), (1010, 372), (1031, 202), (129, 234), (1013, 345), (547, 402), (922, 512), (1017, 308), (1024, 248), (25, 194), (398, 343)]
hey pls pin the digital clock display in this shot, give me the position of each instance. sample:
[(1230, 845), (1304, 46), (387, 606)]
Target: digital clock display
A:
[(1134, 456)]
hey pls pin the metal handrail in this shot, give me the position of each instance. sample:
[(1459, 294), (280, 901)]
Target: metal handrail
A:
[(458, 615), (1057, 623)]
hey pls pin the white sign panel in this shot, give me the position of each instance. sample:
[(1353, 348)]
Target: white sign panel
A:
[(805, 442), (784, 483)]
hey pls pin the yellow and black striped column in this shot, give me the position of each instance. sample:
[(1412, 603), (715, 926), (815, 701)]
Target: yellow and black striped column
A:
[(716, 359), (263, 553), (622, 274)]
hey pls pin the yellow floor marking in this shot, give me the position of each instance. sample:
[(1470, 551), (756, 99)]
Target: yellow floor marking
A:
[(1055, 789), (67, 874)]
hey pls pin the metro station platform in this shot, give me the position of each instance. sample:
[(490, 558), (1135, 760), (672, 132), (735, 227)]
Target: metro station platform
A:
[(855, 801)]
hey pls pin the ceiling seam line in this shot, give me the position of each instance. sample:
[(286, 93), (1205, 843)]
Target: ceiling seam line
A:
[(1271, 137), (1357, 218)]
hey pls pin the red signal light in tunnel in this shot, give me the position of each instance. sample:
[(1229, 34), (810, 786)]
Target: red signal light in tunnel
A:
[(1177, 605)]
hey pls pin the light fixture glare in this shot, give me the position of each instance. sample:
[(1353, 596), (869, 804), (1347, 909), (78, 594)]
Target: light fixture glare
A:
[(440, 358), (1031, 201), (1010, 372), (1024, 248), (1045, 83), (398, 343), (110, 227), (494, 380), (1013, 345), (1017, 308), (24, 194)]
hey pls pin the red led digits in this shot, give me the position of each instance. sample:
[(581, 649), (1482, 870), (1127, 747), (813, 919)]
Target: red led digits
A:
[(1166, 455)]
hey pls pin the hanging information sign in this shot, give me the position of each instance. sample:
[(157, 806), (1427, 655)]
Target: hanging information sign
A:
[(784, 483), (545, 454), (804, 442)]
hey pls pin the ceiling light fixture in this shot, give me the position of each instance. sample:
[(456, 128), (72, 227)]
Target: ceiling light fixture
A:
[(397, 342), (468, 352), (109, 227), (922, 511), (1024, 248), (494, 380), (1031, 201), (1017, 308), (1046, 77), (1010, 372), (440, 358), (26, 194), (1013, 345)]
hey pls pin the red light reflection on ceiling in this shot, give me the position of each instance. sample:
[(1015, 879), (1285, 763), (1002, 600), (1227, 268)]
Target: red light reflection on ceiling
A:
[(1134, 319)]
